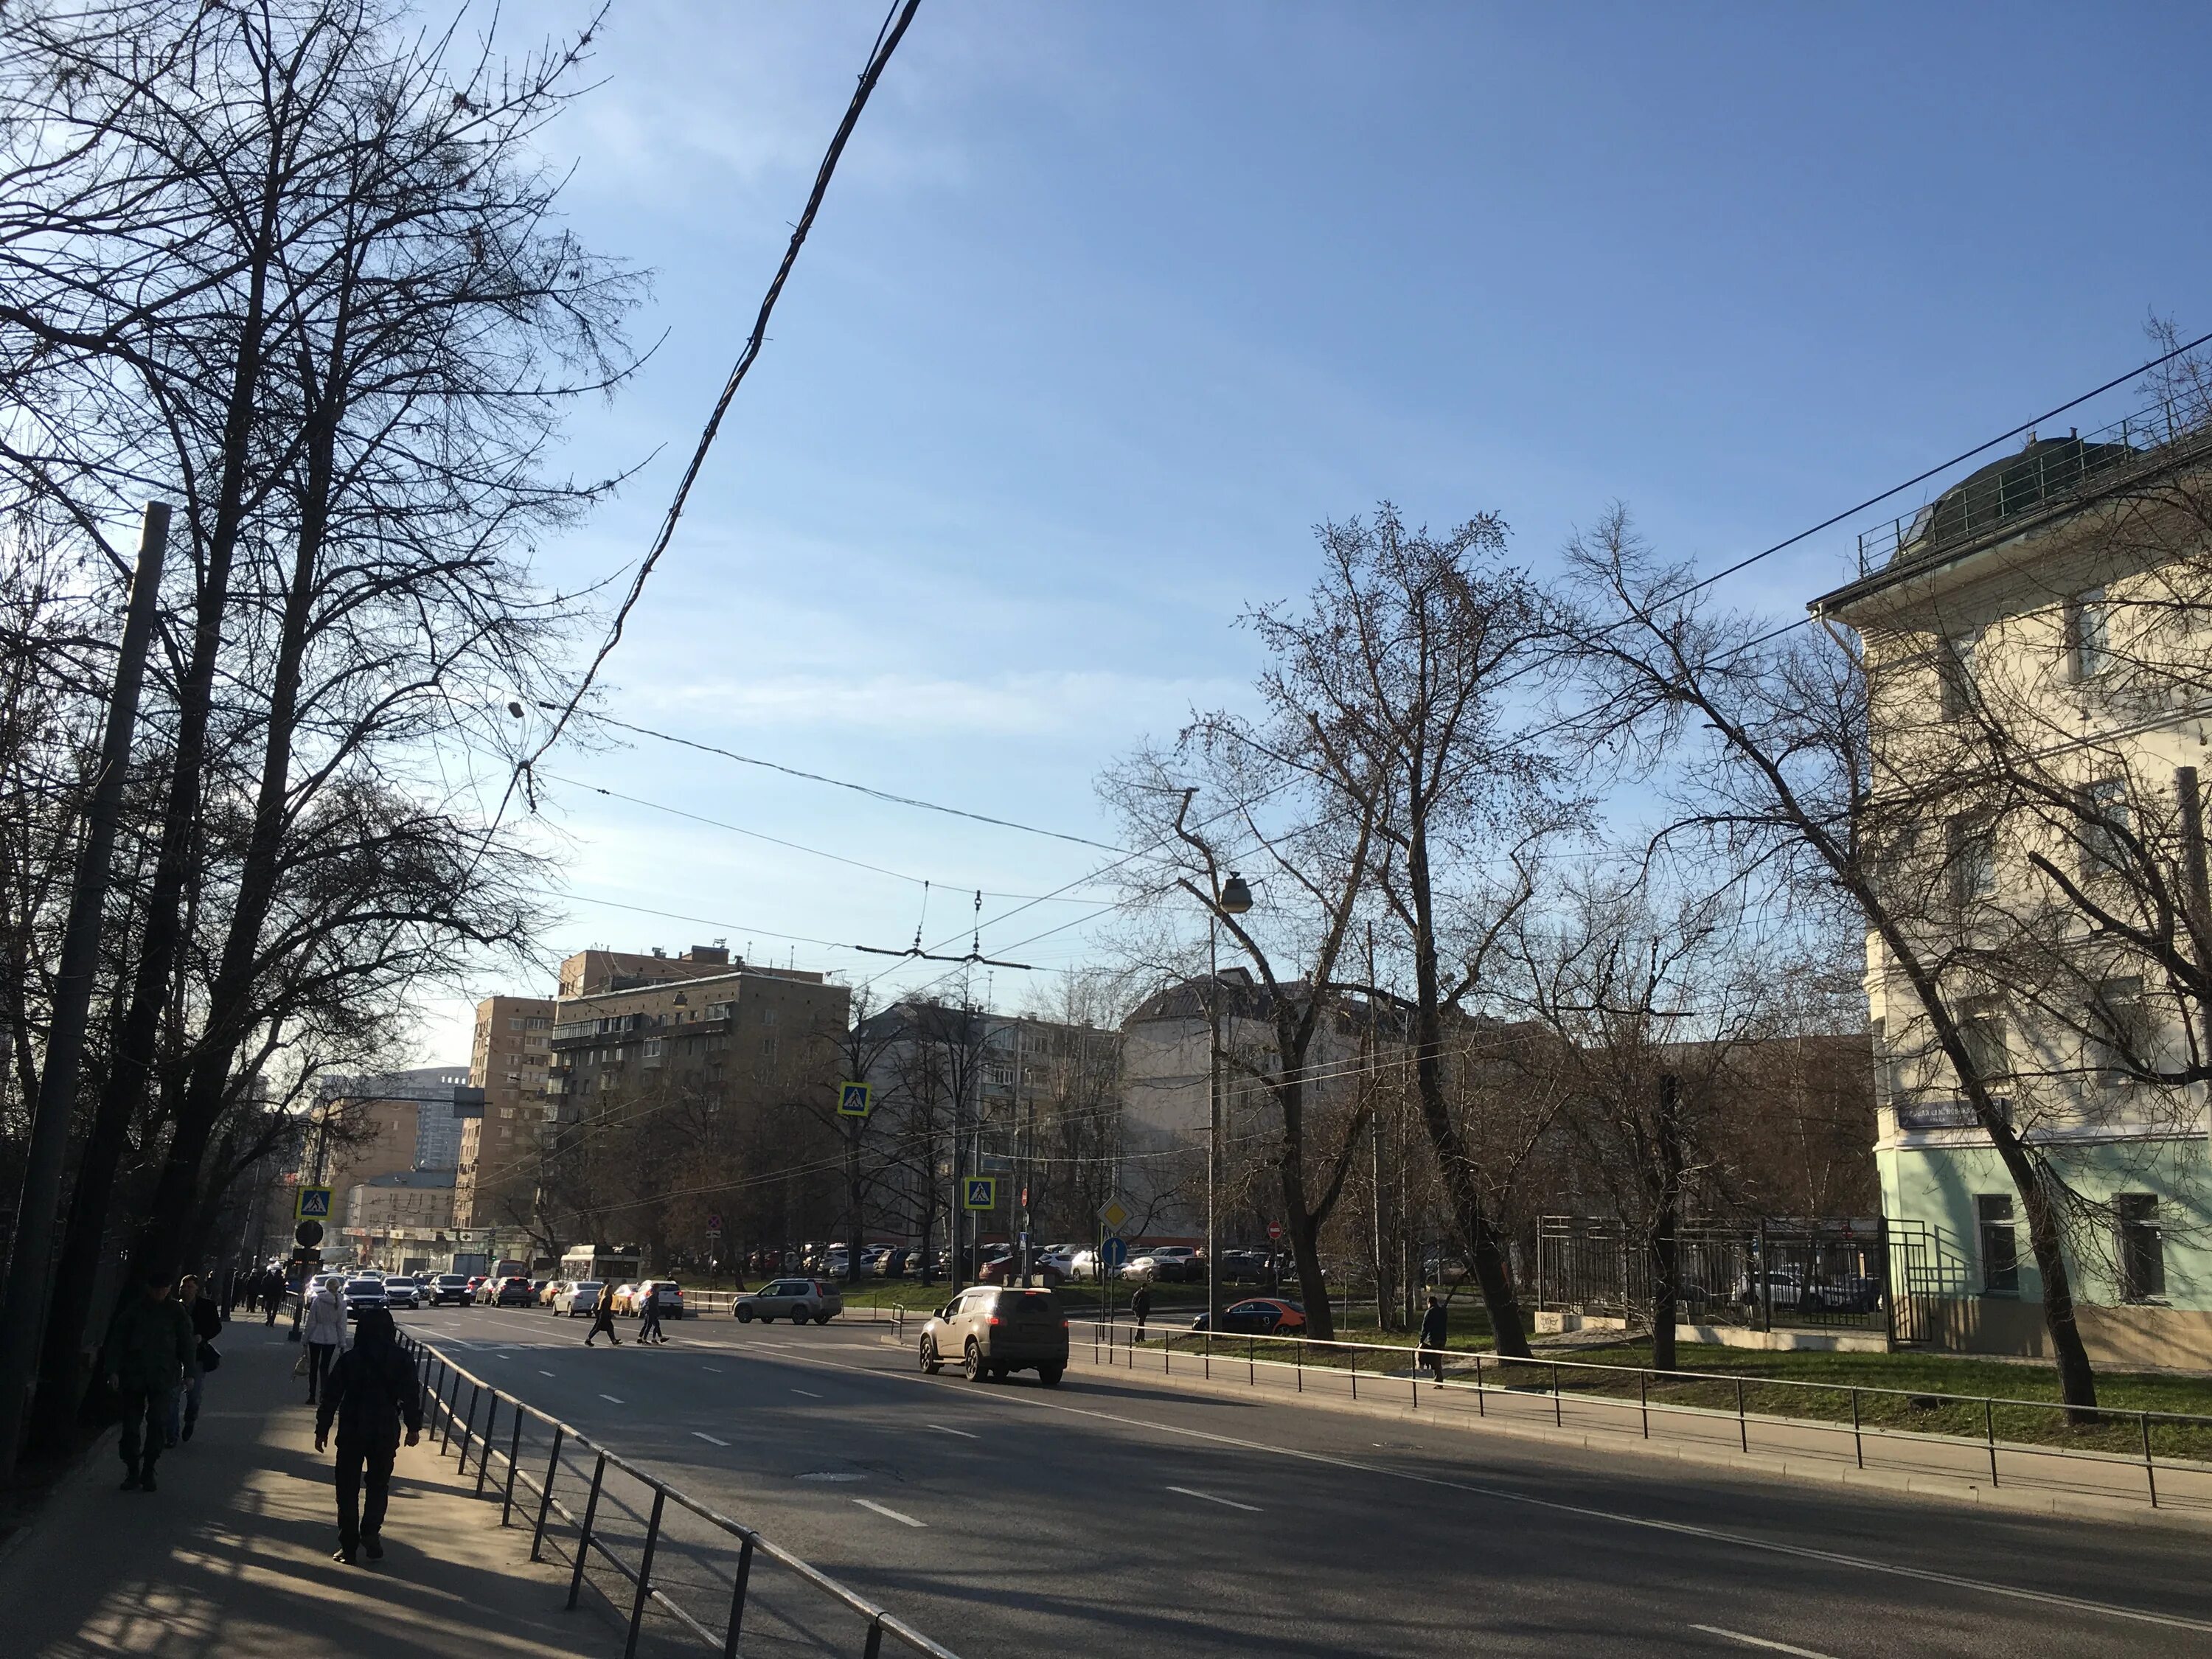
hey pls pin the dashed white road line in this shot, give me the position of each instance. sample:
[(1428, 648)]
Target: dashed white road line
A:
[(1761, 1642), (717, 1369), (544, 1373), (1230, 1503), (701, 1434), (941, 1429), (808, 1393), (610, 1398), (884, 1508)]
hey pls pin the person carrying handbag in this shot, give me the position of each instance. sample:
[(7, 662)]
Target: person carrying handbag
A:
[(323, 1330), (207, 1325)]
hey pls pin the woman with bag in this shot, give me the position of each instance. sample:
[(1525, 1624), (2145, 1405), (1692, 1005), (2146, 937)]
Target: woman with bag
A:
[(324, 1331)]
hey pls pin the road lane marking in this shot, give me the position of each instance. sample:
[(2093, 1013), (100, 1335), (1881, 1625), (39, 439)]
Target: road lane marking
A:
[(701, 1434), (1012, 1398), (544, 1373), (608, 1396), (808, 1393), (1231, 1503), (884, 1508), (1761, 1642), (941, 1429), (717, 1369)]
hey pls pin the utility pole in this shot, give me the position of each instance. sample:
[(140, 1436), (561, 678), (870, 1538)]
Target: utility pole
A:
[(23, 1315)]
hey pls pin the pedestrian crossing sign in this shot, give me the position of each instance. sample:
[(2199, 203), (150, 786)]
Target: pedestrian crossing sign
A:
[(980, 1192), (313, 1204), (854, 1099)]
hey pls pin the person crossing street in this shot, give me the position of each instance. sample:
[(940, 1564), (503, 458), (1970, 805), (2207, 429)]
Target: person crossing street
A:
[(602, 1317), (648, 1313)]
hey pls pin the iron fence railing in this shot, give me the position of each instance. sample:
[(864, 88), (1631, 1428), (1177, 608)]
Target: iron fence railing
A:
[(2078, 468), (682, 1547), (2119, 1439)]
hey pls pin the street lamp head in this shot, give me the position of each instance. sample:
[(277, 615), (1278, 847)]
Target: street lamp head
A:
[(1236, 896)]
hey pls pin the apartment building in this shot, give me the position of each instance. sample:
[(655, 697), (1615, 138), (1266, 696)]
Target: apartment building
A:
[(2032, 640), (509, 1059), (595, 972)]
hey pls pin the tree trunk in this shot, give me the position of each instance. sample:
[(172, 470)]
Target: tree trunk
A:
[(1666, 1216), (1298, 1221)]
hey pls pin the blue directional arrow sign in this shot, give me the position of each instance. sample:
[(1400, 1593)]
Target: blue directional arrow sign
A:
[(1115, 1252)]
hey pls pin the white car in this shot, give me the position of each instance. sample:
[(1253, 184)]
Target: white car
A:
[(578, 1297), (1062, 1259), (400, 1291)]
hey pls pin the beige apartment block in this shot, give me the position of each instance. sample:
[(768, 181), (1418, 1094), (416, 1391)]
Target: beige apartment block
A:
[(508, 1059)]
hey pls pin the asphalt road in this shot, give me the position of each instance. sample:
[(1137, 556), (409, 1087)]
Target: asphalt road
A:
[(1109, 1517)]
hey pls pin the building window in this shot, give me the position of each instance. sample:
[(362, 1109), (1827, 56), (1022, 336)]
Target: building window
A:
[(1955, 665), (514, 1022), (2142, 1247), (2088, 635), (2105, 826), (2120, 1032), (1982, 1028), (537, 1023), (1973, 860), (2000, 1245)]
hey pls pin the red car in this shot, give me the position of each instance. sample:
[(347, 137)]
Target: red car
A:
[(1259, 1315)]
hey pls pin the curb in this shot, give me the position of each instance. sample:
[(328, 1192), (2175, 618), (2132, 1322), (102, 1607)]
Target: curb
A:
[(1896, 1482)]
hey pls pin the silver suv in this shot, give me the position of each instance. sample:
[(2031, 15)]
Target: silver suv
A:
[(796, 1299), (992, 1330)]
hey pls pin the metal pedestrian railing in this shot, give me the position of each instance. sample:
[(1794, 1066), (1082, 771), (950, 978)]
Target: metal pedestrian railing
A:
[(2117, 1440), (682, 1548)]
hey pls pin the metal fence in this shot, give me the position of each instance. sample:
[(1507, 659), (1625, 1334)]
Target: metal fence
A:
[(714, 1576), (2173, 1447), (1822, 1274)]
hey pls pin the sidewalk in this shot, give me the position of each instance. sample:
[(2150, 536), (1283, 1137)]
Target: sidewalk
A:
[(230, 1559)]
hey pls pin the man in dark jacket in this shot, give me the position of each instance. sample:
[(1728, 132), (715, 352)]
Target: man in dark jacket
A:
[(1141, 1305), (150, 1347), (207, 1325), (370, 1389), (648, 1313), (1435, 1330)]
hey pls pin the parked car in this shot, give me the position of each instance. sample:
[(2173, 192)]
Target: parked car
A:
[(362, 1294), (1165, 1264), (577, 1298), (991, 1331), (1258, 1315), (666, 1292), (1061, 1258), (1007, 1270), (796, 1299), (400, 1291)]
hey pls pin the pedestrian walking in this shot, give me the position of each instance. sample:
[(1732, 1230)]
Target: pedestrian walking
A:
[(207, 1325), (1435, 1330), (602, 1317), (266, 1286), (149, 1346), (371, 1389), (1141, 1305), (648, 1314), (323, 1330)]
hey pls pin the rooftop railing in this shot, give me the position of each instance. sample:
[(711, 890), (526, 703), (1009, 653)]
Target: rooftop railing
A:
[(2069, 471)]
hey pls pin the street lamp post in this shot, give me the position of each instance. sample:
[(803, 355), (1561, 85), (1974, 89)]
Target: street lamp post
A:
[(1230, 898)]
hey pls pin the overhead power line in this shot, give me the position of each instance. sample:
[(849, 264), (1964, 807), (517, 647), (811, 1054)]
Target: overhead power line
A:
[(841, 783)]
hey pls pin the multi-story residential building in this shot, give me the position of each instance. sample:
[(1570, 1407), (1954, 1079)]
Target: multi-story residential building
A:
[(405, 1198), (743, 1047), (510, 1060), (590, 972), (2036, 683)]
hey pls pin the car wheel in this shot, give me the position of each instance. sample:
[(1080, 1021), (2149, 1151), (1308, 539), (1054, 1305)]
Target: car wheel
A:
[(821, 1318), (972, 1363), (930, 1363), (1049, 1376), (745, 1315)]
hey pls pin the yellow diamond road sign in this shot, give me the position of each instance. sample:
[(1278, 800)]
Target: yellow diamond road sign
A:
[(1114, 1212)]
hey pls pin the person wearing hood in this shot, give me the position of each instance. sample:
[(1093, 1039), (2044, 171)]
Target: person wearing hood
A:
[(323, 1330), (371, 1390), (148, 1348)]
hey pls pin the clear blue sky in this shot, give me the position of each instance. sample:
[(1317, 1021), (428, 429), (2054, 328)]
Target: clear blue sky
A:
[(1110, 304)]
